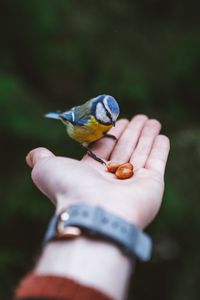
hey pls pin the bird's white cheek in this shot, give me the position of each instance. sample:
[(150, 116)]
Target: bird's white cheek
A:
[(101, 114)]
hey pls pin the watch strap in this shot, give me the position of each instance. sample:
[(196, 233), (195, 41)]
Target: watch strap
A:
[(96, 221)]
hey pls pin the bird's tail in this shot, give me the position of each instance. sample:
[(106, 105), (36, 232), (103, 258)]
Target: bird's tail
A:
[(53, 115)]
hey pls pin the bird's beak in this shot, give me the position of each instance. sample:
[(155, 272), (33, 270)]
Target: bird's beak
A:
[(113, 123)]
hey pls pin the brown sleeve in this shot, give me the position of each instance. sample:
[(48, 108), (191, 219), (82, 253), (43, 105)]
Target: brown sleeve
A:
[(49, 287)]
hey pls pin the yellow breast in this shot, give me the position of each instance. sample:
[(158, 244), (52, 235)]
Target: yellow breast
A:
[(88, 133)]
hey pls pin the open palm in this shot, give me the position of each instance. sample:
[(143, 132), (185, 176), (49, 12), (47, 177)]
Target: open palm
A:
[(67, 181)]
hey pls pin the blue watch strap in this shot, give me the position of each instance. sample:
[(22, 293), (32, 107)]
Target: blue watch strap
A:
[(99, 222)]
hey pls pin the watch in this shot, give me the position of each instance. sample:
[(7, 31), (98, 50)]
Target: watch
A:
[(94, 221)]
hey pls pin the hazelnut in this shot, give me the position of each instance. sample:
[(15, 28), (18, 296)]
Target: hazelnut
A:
[(125, 171), (127, 166), (112, 167)]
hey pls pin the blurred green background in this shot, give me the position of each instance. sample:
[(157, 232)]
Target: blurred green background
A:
[(56, 54)]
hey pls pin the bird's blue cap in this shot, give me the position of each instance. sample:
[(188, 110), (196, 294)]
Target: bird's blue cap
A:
[(113, 105), (111, 102)]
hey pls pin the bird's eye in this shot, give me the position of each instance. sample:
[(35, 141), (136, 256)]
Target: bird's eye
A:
[(108, 114)]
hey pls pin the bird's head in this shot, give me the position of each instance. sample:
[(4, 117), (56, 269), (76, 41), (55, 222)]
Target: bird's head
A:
[(105, 109)]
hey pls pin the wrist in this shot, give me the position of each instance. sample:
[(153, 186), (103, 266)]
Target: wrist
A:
[(93, 262), (119, 207)]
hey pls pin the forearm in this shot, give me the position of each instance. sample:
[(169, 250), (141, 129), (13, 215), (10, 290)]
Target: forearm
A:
[(94, 263)]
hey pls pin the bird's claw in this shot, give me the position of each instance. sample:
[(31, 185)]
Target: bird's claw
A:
[(111, 136)]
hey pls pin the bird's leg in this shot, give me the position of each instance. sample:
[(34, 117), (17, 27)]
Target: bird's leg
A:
[(111, 136), (94, 156)]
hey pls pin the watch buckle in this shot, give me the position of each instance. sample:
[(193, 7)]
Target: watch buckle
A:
[(67, 231)]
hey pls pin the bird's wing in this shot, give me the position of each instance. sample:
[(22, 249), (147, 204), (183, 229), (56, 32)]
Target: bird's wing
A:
[(82, 113), (69, 116), (79, 115)]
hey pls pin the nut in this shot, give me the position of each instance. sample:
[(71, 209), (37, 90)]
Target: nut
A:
[(125, 171), (127, 166), (112, 167), (122, 171)]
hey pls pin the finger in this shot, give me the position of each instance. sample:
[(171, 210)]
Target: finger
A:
[(104, 146), (128, 139), (36, 155), (159, 153), (149, 132)]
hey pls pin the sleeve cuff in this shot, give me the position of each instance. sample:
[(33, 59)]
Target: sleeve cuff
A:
[(55, 288)]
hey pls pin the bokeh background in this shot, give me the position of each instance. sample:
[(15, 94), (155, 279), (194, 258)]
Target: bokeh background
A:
[(56, 54)]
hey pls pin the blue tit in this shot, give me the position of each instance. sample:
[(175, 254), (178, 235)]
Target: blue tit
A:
[(90, 121)]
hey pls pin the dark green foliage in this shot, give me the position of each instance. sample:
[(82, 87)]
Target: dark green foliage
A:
[(56, 54)]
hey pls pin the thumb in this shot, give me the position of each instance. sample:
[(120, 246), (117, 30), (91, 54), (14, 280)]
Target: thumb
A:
[(35, 155)]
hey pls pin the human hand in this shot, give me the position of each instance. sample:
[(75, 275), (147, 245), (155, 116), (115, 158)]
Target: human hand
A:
[(67, 181)]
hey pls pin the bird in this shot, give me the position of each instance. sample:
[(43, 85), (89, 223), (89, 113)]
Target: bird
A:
[(90, 121)]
